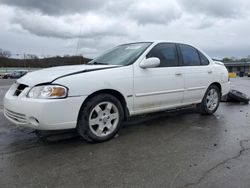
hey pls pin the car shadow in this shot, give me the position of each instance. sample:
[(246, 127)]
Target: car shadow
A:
[(23, 139), (66, 135)]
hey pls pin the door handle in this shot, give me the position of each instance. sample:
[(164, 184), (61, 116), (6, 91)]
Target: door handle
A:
[(209, 71), (178, 74)]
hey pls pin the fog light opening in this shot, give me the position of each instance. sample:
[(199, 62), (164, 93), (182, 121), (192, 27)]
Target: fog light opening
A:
[(34, 121)]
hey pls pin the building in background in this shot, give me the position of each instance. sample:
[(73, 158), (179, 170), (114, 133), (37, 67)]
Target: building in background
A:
[(240, 68)]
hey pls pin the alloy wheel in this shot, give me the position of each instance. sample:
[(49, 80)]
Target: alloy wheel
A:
[(212, 99), (104, 119)]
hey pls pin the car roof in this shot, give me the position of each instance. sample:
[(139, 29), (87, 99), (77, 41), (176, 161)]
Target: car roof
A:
[(160, 41)]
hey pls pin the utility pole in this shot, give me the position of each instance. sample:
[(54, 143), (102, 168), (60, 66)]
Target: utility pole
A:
[(24, 57)]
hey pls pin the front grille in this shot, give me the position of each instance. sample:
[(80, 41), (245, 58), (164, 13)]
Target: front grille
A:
[(17, 117), (20, 89)]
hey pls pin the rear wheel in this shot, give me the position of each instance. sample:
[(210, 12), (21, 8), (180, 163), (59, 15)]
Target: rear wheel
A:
[(210, 101), (100, 118)]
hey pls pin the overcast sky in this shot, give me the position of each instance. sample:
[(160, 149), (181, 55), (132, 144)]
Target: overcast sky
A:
[(57, 27)]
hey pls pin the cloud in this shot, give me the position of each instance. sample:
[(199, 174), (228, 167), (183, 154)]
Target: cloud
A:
[(92, 46), (56, 7), (206, 14), (214, 8), (199, 22), (85, 26), (108, 20), (54, 26), (6, 13), (151, 12)]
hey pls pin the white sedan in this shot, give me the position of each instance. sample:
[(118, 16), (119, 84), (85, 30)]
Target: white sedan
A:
[(130, 79)]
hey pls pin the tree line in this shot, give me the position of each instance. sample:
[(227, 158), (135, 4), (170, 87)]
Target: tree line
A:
[(44, 62), (32, 61), (234, 59)]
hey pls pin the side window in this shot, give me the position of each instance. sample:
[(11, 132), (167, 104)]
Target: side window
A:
[(204, 60), (190, 55), (167, 54)]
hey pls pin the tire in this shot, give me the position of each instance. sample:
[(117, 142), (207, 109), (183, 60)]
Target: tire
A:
[(100, 118), (210, 101), (224, 98), (238, 96)]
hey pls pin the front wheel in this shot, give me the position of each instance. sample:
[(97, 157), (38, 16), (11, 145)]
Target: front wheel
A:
[(210, 101), (100, 118)]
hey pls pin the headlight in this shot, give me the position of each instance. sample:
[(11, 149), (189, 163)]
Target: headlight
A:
[(48, 92)]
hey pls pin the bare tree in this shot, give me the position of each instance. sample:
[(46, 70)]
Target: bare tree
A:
[(4, 53), (31, 56), (248, 58)]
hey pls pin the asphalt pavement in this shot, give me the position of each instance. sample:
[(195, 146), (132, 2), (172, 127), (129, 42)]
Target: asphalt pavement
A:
[(169, 149)]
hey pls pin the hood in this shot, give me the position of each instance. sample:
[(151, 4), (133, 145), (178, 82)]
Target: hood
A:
[(50, 74)]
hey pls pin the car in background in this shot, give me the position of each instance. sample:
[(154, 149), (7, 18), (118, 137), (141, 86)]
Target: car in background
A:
[(4, 75), (128, 80), (15, 74)]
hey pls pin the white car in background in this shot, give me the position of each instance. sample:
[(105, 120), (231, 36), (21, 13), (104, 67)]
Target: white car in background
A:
[(130, 79)]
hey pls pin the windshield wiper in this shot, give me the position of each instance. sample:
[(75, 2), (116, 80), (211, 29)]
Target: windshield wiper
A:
[(98, 63)]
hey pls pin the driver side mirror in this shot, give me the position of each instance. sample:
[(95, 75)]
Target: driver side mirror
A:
[(151, 62)]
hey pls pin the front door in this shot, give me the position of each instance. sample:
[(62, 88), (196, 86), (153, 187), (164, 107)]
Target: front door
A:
[(160, 87)]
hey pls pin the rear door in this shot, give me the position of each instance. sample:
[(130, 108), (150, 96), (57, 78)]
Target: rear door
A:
[(159, 87), (197, 73)]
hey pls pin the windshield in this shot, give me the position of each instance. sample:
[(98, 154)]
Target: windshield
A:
[(122, 55)]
